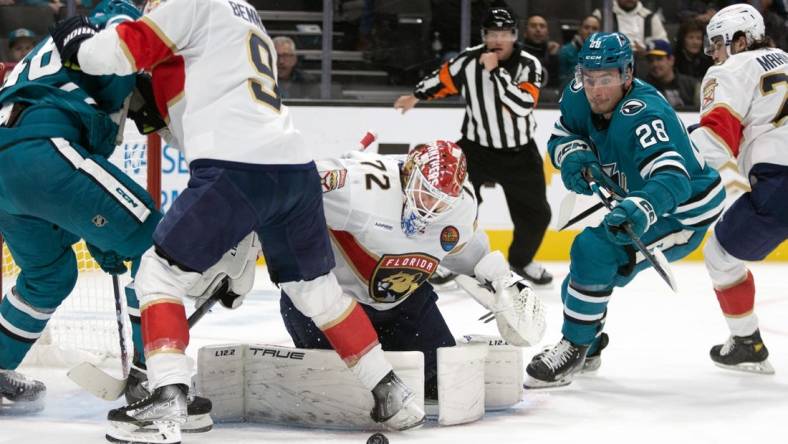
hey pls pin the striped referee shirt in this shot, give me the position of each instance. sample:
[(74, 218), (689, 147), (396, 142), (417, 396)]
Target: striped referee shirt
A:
[(498, 104)]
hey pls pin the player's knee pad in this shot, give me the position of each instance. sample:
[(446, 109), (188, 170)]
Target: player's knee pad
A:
[(157, 279), (724, 269), (46, 287), (321, 298), (593, 258)]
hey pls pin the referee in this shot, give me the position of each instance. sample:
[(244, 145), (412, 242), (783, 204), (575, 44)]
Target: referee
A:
[(500, 83)]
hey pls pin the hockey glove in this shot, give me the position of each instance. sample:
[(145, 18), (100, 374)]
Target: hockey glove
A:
[(519, 312), (572, 169), (238, 265), (69, 34), (635, 211), (142, 109), (109, 261)]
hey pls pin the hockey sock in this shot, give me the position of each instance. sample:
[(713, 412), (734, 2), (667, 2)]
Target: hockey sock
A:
[(737, 304)]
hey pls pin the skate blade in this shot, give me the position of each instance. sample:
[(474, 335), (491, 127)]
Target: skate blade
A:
[(197, 424), (531, 383), (410, 416), (591, 365), (164, 432), (20, 407), (763, 367)]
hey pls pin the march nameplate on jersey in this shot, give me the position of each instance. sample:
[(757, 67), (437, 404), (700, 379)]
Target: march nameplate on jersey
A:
[(397, 275)]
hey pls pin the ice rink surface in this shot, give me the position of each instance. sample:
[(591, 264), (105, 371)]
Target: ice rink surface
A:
[(656, 384)]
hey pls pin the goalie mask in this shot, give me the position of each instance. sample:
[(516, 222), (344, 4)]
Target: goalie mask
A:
[(432, 178)]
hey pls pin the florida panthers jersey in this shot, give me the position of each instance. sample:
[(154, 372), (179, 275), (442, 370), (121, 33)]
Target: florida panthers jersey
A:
[(214, 79), (376, 262), (744, 105)]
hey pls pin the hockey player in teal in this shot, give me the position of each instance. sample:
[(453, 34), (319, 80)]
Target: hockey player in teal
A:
[(612, 124), (58, 127)]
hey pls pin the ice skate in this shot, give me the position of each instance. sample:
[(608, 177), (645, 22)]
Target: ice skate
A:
[(395, 404), (198, 408), (535, 273), (743, 353), (555, 367), (156, 419), (25, 395)]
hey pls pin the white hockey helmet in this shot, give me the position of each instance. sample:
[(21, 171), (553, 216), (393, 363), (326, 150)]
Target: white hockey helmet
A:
[(730, 20)]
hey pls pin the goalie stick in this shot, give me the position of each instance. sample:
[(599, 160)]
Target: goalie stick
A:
[(107, 387)]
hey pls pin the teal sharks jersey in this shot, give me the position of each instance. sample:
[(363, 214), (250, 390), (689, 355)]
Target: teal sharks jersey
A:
[(645, 148), (41, 79)]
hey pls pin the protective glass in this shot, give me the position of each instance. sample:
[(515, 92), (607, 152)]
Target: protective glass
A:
[(711, 45), (499, 35), (598, 78)]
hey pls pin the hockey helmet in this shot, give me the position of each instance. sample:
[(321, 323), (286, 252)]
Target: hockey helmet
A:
[(499, 19), (605, 50), (109, 12), (432, 178), (730, 20)]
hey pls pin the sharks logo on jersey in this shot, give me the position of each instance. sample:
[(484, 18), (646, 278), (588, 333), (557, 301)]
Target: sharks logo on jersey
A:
[(632, 107)]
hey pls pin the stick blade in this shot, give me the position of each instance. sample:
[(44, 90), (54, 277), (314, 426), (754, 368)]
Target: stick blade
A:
[(665, 270), (97, 381)]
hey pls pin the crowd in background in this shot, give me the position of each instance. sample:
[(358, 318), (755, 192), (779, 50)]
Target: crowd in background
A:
[(668, 41)]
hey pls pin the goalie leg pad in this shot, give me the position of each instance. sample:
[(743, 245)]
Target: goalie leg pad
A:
[(294, 387), (461, 383), (503, 372)]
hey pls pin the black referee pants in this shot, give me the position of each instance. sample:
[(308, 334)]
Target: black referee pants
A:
[(521, 175)]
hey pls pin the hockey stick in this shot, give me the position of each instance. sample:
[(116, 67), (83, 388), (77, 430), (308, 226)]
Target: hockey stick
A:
[(124, 353), (107, 387), (655, 257), (566, 209)]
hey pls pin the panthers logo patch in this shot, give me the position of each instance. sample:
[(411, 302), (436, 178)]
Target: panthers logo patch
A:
[(398, 275), (632, 107), (708, 93), (333, 179)]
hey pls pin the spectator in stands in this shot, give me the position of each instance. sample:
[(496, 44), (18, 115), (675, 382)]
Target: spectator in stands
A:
[(678, 89), (567, 57), (20, 42), (537, 42), (54, 5), (775, 24), (690, 58), (701, 10), (293, 83), (637, 22)]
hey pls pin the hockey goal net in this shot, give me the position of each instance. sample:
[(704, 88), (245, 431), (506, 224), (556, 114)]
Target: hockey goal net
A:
[(84, 327)]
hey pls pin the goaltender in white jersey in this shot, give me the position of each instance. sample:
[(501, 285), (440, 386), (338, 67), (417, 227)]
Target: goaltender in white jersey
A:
[(392, 221), (377, 262)]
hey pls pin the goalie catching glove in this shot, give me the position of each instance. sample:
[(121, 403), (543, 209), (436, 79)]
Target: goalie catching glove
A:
[(518, 311), (238, 266)]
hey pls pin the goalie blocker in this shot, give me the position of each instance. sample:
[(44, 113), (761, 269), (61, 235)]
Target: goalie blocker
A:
[(314, 388)]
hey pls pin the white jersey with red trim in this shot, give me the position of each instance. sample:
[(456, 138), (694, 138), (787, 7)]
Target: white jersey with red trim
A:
[(214, 79), (744, 110), (376, 262)]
